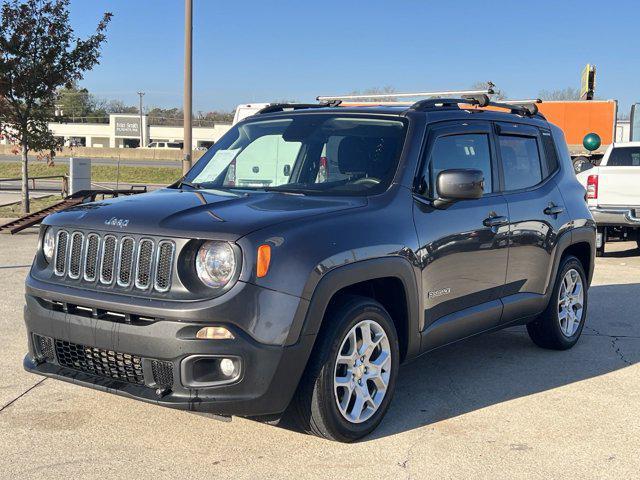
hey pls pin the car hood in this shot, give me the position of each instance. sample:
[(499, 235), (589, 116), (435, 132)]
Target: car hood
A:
[(197, 213)]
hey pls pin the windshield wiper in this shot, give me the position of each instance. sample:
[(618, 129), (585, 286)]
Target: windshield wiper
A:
[(284, 189), (195, 186)]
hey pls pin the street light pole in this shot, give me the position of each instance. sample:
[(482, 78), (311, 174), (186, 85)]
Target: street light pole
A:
[(141, 130), (188, 86)]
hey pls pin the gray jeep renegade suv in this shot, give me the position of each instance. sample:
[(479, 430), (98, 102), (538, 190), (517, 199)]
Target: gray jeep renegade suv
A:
[(309, 253)]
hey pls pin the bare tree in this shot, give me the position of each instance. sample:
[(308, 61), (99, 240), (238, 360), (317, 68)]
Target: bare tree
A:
[(387, 89), (498, 95), (568, 93)]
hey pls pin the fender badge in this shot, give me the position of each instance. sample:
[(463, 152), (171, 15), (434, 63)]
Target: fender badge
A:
[(439, 293)]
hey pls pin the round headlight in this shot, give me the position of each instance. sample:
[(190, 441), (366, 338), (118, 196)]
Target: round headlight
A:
[(215, 263), (48, 245)]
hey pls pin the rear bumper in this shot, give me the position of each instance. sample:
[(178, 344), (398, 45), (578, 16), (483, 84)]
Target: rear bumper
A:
[(268, 374), (616, 216)]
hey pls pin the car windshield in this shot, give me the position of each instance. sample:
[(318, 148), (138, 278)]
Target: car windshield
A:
[(333, 154)]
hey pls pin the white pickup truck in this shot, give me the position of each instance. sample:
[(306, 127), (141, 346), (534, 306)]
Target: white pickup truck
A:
[(613, 194)]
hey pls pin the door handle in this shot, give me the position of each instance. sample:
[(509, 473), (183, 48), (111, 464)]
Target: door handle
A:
[(553, 210), (495, 221)]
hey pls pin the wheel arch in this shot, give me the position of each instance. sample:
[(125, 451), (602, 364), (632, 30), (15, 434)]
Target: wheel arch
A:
[(390, 281), (580, 242)]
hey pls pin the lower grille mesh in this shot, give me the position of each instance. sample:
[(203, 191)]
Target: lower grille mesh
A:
[(97, 361), (162, 373), (44, 345)]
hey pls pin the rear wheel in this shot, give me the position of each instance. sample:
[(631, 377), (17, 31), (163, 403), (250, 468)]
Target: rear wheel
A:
[(602, 233), (350, 379), (561, 324), (578, 163)]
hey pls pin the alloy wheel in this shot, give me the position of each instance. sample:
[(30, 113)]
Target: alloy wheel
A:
[(362, 371), (570, 303)]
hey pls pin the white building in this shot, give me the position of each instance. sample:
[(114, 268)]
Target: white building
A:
[(123, 131)]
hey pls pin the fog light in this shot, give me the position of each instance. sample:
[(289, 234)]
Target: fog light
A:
[(214, 333), (227, 367)]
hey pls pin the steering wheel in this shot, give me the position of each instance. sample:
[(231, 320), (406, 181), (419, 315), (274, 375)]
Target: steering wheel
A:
[(367, 181)]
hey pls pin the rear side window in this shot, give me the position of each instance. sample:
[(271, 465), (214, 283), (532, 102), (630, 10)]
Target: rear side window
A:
[(520, 162), (461, 151), (550, 152), (624, 157)]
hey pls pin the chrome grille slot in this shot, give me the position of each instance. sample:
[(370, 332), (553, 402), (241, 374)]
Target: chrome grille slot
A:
[(75, 254), (60, 261), (144, 263), (164, 263), (125, 261), (108, 261), (91, 257)]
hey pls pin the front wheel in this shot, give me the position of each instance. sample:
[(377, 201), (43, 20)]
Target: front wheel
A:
[(350, 379), (561, 324)]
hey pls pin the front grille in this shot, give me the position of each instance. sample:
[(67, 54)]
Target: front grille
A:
[(108, 259), (91, 257), (60, 261), (75, 255), (97, 361), (125, 266), (145, 258), (163, 265), (125, 262)]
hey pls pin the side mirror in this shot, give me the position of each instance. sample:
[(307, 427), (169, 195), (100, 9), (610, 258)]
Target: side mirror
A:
[(459, 184)]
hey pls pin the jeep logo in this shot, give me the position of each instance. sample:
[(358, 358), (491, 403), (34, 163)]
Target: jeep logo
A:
[(117, 222)]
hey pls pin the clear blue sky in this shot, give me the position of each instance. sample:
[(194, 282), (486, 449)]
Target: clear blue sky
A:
[(258, 50)]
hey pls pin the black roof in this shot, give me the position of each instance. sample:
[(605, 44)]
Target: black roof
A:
[(434, 114)]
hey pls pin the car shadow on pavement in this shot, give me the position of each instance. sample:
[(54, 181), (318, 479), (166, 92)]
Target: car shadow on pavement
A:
[(633, 252), (502, 366)]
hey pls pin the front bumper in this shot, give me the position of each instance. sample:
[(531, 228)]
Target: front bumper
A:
[(616, 216), (268, 377)]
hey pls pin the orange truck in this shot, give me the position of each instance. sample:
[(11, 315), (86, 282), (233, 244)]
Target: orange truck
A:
[(580, 117)]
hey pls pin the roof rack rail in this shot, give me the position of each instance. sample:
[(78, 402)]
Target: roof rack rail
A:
[(448, 93), (529, 105), (481, 100), (519, 107), (279, 107)]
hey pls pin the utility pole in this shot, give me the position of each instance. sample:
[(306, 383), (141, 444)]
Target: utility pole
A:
[(188, 86), (141, 130)]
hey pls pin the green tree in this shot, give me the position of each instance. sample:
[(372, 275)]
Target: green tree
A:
[(75, 102), (39, 55)]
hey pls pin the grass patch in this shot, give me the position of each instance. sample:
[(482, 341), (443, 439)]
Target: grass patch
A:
[(99, 173), (15, 210)]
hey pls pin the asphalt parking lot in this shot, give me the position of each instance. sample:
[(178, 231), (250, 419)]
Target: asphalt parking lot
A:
[(491, 407)]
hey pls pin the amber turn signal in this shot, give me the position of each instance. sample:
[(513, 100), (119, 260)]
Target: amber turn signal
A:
[(214, 333), (264, 258)]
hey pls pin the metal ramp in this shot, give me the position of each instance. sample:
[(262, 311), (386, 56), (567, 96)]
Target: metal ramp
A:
[(77, 198)]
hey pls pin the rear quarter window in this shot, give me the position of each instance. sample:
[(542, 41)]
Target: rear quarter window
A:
[(624, 157)]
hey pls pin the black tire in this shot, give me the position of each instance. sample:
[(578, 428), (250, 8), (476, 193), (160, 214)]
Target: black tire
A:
[(545, 331), (601, 248), (314, 407), (578, 162)]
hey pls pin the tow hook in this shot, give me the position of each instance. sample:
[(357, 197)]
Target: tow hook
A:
[(161, 392)]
